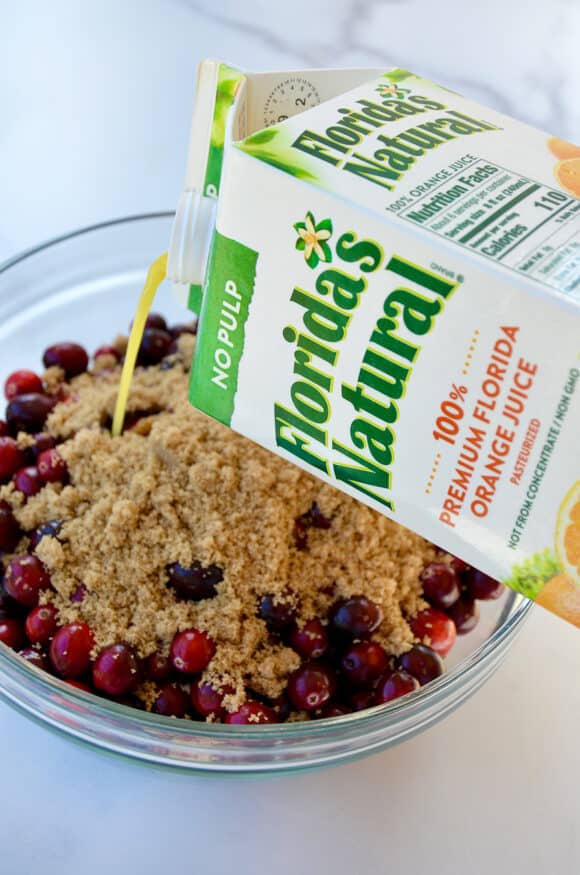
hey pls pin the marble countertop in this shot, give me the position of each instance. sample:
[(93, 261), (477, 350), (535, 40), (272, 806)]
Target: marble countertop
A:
[(96, 103)]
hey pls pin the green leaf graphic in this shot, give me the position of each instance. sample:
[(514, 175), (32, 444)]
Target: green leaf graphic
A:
[(529, 576)]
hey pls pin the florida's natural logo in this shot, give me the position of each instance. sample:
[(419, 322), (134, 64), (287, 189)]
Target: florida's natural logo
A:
[(312, 239), (391, 90)]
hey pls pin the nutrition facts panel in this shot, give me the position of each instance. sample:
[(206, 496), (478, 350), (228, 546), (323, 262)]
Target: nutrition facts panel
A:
[(508, 218)]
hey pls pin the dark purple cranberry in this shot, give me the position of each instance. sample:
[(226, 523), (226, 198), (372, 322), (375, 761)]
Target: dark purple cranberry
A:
[(252, 713), (70, 650), (395, 685), (3, 428), (42, 441), (335, 711), (41, 624), (52, 467), (79, 594), (154, 346), (12, 633), (172, 701), (155, 320), (480, 586), (29, 412), (311, 686), (11, 458), (441, 585), (191, 651), (360, 700), (196, 582), (22, 383), (25, 578), (10, 532), (364, 662), (71, 357), (422, 662), (465, 614), (310, 639), (208, 701), (35, 657), (357, 616), (459, 565), (51, 529), (157, 667), (282, 706), (28, 481), (277, 614), (116, 670), (318, 519), (438, 627), (177, 330)]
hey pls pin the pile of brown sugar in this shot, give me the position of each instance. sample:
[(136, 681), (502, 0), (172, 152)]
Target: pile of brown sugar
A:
[(180, 487)]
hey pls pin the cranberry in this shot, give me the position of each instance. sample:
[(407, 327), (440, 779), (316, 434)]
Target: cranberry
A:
[(71, 357), (309, 640), (42, 441), (459, 565), (107, 350), (80, 685), (116, 670), (172, 701), (41, 624), (252, 712), (10, 533), (22, 383), (157, 667), (3, 428), (12, 632), (282, 706), (35, 657), (311, 686), (465, 614), (394, 685), (177, 330), (154, 320), (335, 711), (154, 346), (191, 651), (28, 481), (25, 578), (437, 627), (11, 457), (422, 662), (207, 700), (481, 586), (362, 699), (51, 529), (318, 520), (441, 585), (357, 616), (70, 650), (277, 614), (79, 594), (364, 663), (52, 467), (29, 412), (195, 583)]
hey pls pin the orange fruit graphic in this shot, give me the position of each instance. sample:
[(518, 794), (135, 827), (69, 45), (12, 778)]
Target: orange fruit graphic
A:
[(562, 597), (568, 175), (563, 149), (567, 538)]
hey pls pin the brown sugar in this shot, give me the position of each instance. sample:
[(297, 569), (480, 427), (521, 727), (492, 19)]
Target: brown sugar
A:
[(179, 487)]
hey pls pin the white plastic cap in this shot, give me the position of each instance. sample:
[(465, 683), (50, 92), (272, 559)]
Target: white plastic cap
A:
[(191, 238)]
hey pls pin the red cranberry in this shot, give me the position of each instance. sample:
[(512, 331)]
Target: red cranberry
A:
[(441, 585), (71, 357), (35, 657), (3, 428), (364, 662), (309, 640), (79, 594), (22, 383), (480, 586), (29, 412), (437, 627), (172, 701), (25, 578), (191, 651), (394, 685), (157, 667), (10, 533), (207, 700), (177, 330), (276, 613), (311, 686), (12, 632), (357, 616), (80, 685), (51, 529), (107, 350), (422, 662), (41, 624), (459, 565), (195, 583), (42, 441), (116, 670), (70, 650), (11, 457), (362, 699), (28, 481), (335, 711), (52, 467), (154, 346), (252, 712), (465, 614)]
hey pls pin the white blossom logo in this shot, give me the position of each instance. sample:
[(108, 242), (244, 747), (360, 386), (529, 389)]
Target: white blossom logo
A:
[(312, 239)]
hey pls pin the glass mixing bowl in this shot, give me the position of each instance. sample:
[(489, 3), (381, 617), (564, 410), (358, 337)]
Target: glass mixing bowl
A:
[(84, 287)]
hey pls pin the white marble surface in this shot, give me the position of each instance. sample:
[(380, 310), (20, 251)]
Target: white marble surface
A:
[(96, 103)]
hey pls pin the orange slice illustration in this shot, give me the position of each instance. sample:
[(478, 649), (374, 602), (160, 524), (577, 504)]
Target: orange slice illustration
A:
[(568, 175), (563, 149)]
